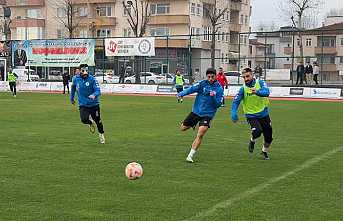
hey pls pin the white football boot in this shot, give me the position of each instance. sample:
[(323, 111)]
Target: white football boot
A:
[(102, 138)]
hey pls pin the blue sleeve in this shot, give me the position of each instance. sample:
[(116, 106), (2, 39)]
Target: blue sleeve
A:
[(195, 88), (73, 90), (96, 88), (236, 101), (218, 99), (264, 91), (174, 80)]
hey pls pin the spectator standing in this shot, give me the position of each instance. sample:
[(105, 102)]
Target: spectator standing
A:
[(66, 79), (315, 72), (300, 73), (308, 73)]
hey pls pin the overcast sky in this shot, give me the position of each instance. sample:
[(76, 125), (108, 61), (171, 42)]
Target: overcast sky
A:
[(266, 11)]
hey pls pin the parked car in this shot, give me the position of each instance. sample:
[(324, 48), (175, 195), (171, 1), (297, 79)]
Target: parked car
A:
[(55, 75), (25, 74), (234, 77), (147, 78), (106, 78)]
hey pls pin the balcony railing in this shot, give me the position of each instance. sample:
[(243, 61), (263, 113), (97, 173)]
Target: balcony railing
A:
[(168, 19), (17, 3), (325, 50), (28, 22)]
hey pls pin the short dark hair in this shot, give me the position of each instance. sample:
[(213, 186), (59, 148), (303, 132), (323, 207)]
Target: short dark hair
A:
[(83, 66), (245, 70), (211, 71)]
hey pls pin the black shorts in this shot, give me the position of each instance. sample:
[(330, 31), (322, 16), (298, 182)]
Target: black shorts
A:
[(94, 112), (179, 89), (262, 125), (193, 119)]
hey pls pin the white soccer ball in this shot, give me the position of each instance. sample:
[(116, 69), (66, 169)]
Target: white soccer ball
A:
[(133, 171)]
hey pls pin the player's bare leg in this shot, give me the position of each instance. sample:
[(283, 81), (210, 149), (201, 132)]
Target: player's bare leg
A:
[(196, 143)]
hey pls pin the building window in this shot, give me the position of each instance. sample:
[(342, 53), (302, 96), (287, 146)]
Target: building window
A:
[(34, 13), (227, 16), (298, 42), (24, 33), (159, 9), (103, 33), (199, 10), (326, 59), (159, 31), (241, 20), (127, 32), (192, 8), (341, 60), (246, 20), (222, 57), (327, 41), (21, 33), (83, 33), (61, 12), (308, 42), (83, 11), (207, 34), (60, 33), (104, 11), (223, 36), (341, 41)]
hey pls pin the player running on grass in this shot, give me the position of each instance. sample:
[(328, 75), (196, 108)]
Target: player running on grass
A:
[(207, 101), (254, 95), (88, 93)]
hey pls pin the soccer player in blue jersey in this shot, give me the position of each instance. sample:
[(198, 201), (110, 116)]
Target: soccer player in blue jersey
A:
[(88, 93), (209, 98)]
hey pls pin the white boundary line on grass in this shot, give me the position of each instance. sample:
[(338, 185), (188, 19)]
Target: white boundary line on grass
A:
[(227, 203)]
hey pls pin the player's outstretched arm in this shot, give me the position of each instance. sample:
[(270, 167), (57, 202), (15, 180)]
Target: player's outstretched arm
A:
[(264, 90), (72, 92), (193, 89), (235, 104)]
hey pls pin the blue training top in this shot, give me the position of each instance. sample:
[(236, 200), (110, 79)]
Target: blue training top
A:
[(205, 105), (84, 88)]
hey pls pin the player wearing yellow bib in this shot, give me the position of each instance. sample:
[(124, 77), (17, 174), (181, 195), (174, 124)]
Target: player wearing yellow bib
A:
[(254, 95)]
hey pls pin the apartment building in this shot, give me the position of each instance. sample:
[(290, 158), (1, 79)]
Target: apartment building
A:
[(323, 45), (39, 19)]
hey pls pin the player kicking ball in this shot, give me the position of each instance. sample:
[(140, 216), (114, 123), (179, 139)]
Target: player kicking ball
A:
[(88, 93), (208, 100), (254, 95)]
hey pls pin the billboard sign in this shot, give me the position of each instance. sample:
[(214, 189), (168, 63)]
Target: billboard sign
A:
[(127, 47)]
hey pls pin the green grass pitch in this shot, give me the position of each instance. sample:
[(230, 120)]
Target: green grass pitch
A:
[(52, 168)]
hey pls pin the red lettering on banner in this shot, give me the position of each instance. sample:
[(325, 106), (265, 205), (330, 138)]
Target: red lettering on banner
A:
[(78, 50), (112, 47)]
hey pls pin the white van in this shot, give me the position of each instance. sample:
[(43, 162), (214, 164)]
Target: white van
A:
[(23, 74)]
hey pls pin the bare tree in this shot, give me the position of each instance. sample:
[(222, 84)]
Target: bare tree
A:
[(138, 16), (214, 14), (298, 10), (68, 15), (6, 22)]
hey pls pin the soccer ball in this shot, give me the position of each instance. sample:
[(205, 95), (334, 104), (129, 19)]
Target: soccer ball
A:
[(133, 171)]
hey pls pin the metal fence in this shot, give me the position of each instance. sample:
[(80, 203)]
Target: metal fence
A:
[(274, 56)]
